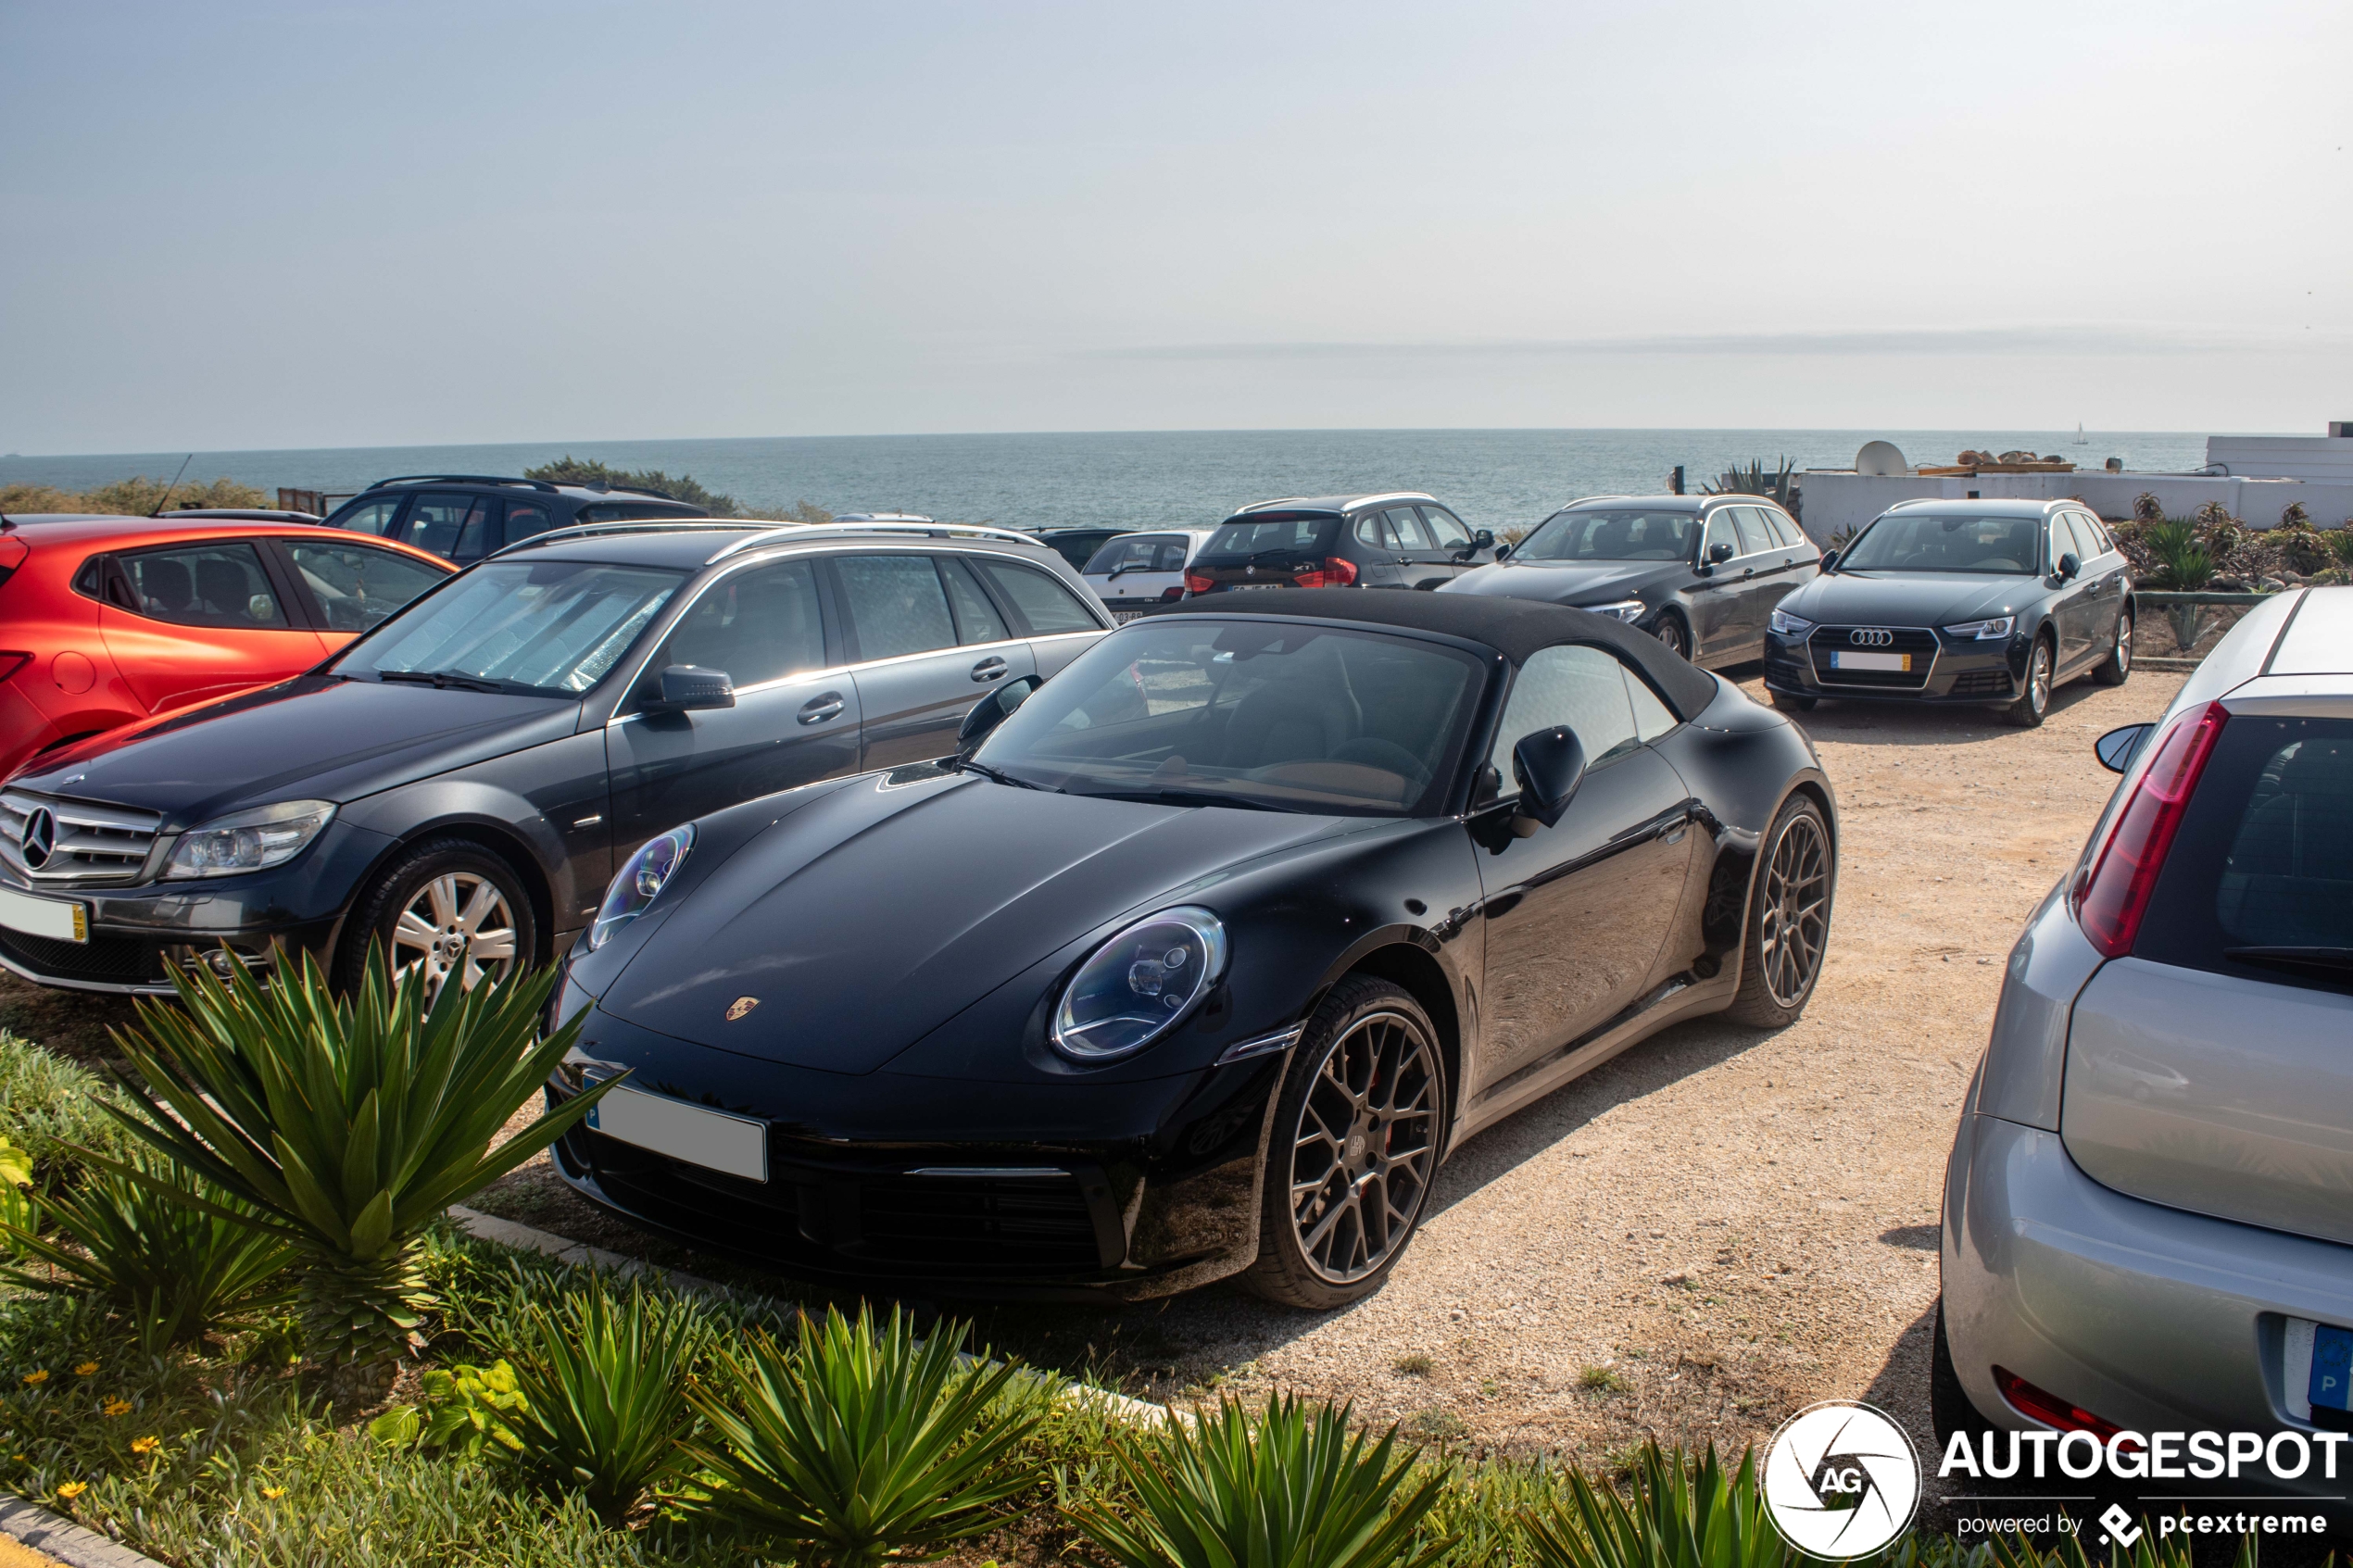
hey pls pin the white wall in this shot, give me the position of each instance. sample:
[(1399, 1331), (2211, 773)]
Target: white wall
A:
[(1836, 501), (2284, 456)]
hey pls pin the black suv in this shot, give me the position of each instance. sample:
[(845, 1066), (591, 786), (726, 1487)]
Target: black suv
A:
[(465, 517), (1401, 540), (457, 782)]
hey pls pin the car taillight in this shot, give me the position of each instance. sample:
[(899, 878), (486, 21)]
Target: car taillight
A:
[(2041, 1404), (1338, 572), (2115, 893), (1197, 584), (1170, 595), (11, 663)]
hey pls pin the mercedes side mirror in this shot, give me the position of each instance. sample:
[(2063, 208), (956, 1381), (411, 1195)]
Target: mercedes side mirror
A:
[(1719, 553), (1482, 540), (2069, 565), (1549, 764), (2117, 748), (686, 687), (991, 712)]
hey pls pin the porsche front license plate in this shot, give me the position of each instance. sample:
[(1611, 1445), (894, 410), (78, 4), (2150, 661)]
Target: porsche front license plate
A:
[(53, 917), (1895, 663), (676, 1130)]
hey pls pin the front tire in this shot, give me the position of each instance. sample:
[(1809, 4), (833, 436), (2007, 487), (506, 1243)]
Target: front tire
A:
[(1673, 634), (1789, 917), (449, 907), (1353, 1149), (2034, 701), (2117, 667)]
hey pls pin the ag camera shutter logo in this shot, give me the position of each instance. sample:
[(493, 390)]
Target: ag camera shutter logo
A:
[(1840, 1480)]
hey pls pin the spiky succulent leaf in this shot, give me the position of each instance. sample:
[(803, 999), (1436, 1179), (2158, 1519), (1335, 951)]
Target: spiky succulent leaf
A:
[(606, 1378), (1682, 1515)]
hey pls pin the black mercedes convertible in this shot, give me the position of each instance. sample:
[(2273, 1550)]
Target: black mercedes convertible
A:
[(1198, 960)]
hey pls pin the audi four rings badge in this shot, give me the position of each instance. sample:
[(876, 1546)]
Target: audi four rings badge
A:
[(1870, 636)]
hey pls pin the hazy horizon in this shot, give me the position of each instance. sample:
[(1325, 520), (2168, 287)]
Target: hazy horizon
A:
[(263, 225)]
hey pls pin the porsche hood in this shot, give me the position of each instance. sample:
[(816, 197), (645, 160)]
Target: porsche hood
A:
[(861, 922)]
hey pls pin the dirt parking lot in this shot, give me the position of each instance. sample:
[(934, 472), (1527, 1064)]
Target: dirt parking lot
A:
[(1707, 1234)]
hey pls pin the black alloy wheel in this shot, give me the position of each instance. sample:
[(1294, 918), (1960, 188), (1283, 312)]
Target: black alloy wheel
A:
[(2117, 667), (2034, 700), (449, 907), (1354, 1148), (1789, 917), (1671, 632)]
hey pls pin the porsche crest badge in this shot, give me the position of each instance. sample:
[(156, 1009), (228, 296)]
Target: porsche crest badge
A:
[(740, 1006)]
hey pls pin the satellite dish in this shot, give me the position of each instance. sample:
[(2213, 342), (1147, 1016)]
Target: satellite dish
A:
[(1880, 459)]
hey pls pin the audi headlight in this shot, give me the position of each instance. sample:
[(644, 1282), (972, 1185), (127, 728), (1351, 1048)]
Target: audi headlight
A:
[(1983, 630), (1140, 984), (1624, 609), (249, 841), (641, 880), (1790, 625)]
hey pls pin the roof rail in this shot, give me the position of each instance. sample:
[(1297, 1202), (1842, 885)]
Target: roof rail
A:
[(623, 526), (466, 479), (853, 530), (759, 531)]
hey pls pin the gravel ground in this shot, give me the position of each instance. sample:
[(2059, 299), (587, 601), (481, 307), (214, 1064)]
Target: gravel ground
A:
[(1698, 1238)]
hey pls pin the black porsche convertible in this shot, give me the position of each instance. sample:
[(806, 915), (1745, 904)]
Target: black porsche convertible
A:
[(1200, 959)]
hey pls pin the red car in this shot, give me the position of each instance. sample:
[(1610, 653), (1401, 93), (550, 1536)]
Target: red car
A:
[(105, 621)]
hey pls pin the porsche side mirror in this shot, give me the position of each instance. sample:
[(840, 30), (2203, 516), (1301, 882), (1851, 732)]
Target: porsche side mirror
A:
[(1503, 552), (1719, 553), (1829, 560), (991, 712), (2069, 565), (1549, 764), (2116, 749), (686, 687)]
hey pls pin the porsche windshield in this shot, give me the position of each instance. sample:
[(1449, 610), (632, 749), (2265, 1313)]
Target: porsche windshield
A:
[(1276, 715), (551, 627), (1612, 537), (2010, 546)]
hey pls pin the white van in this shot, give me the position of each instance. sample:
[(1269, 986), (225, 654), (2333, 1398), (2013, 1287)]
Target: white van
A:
[(1135, 571)]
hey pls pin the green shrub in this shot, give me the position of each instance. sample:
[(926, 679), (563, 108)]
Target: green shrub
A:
[(142, 1253), (463, 1408), (1682, 1515), (50, 1106), (345, 1125), (1291, 1485), (136, 496), (606, 1380), (569, 470), (860, 1445)]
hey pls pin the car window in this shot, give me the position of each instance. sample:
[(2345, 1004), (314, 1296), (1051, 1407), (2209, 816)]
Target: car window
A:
[(552, 627), (625, 511), (1139, 552), (1446, 528), (2064, 542), (1275, 531), (1652, 716), (1756, 538), (2099, 532), (2090, 542), (1720, 531), (897, 605), (976, 619), (219, 584), (368, 516), (1406, 523), (757, 626), (1373, 529), (1938, 542), (1048, 605), (358, 585), (1581, 687), (1611, 537), (527, 517), (437, 521)]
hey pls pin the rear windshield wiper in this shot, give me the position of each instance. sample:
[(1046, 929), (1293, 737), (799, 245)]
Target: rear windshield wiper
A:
[(2337, 963), (449, 680), (1003, 777)]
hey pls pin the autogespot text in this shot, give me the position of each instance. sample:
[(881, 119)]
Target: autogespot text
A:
[(2134, 1456)]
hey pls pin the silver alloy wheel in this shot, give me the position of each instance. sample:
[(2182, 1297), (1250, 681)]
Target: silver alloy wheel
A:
[(2125, 644), (1793, 925), (1364, 1147), (458, 923), (2038, 677), (1670, 632)]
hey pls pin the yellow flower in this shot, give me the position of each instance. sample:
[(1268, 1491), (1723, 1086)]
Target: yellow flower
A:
[(72, 1489), (145, 1445), (273, 1493), (115, 1406), (35, 1379), (85, 1368)]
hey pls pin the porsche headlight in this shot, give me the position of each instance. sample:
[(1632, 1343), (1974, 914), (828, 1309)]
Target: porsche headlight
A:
[(249, 841), (1790, 625), (1140, 984), (641, 882), (1629, 610), (1983, 630)]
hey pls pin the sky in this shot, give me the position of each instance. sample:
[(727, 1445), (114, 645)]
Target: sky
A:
[(249, 225)]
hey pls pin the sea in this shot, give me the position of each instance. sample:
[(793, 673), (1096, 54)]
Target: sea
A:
[(1156, 479)]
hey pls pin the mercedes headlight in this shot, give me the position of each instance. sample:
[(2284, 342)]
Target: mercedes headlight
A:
[(248, 841), (1140, 984), (1790, 625), (1983, 630), (1624, 609), (641, 880)]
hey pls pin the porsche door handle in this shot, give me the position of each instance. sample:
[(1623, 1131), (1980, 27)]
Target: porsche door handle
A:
[(989, 669), (817, 709)]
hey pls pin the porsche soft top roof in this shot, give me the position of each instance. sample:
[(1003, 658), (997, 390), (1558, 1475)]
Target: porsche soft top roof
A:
[(1515, 628)]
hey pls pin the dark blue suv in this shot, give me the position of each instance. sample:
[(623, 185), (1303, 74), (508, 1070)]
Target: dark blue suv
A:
[(465, 517)]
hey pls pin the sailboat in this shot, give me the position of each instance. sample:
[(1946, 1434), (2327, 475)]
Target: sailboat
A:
[(2078, 434)]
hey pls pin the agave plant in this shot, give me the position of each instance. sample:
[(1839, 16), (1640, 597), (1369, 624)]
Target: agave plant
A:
[(1292, 1486), (2341, 543), (342, 1125), (862, 1445), (1754, 480), (607, 1378), (141, 1251), (1682, 1515)]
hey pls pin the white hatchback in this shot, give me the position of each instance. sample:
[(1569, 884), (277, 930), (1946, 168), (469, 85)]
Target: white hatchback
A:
[(1136, 572)]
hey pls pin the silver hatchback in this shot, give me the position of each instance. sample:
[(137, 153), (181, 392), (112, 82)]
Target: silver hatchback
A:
[(2148, 1213)]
